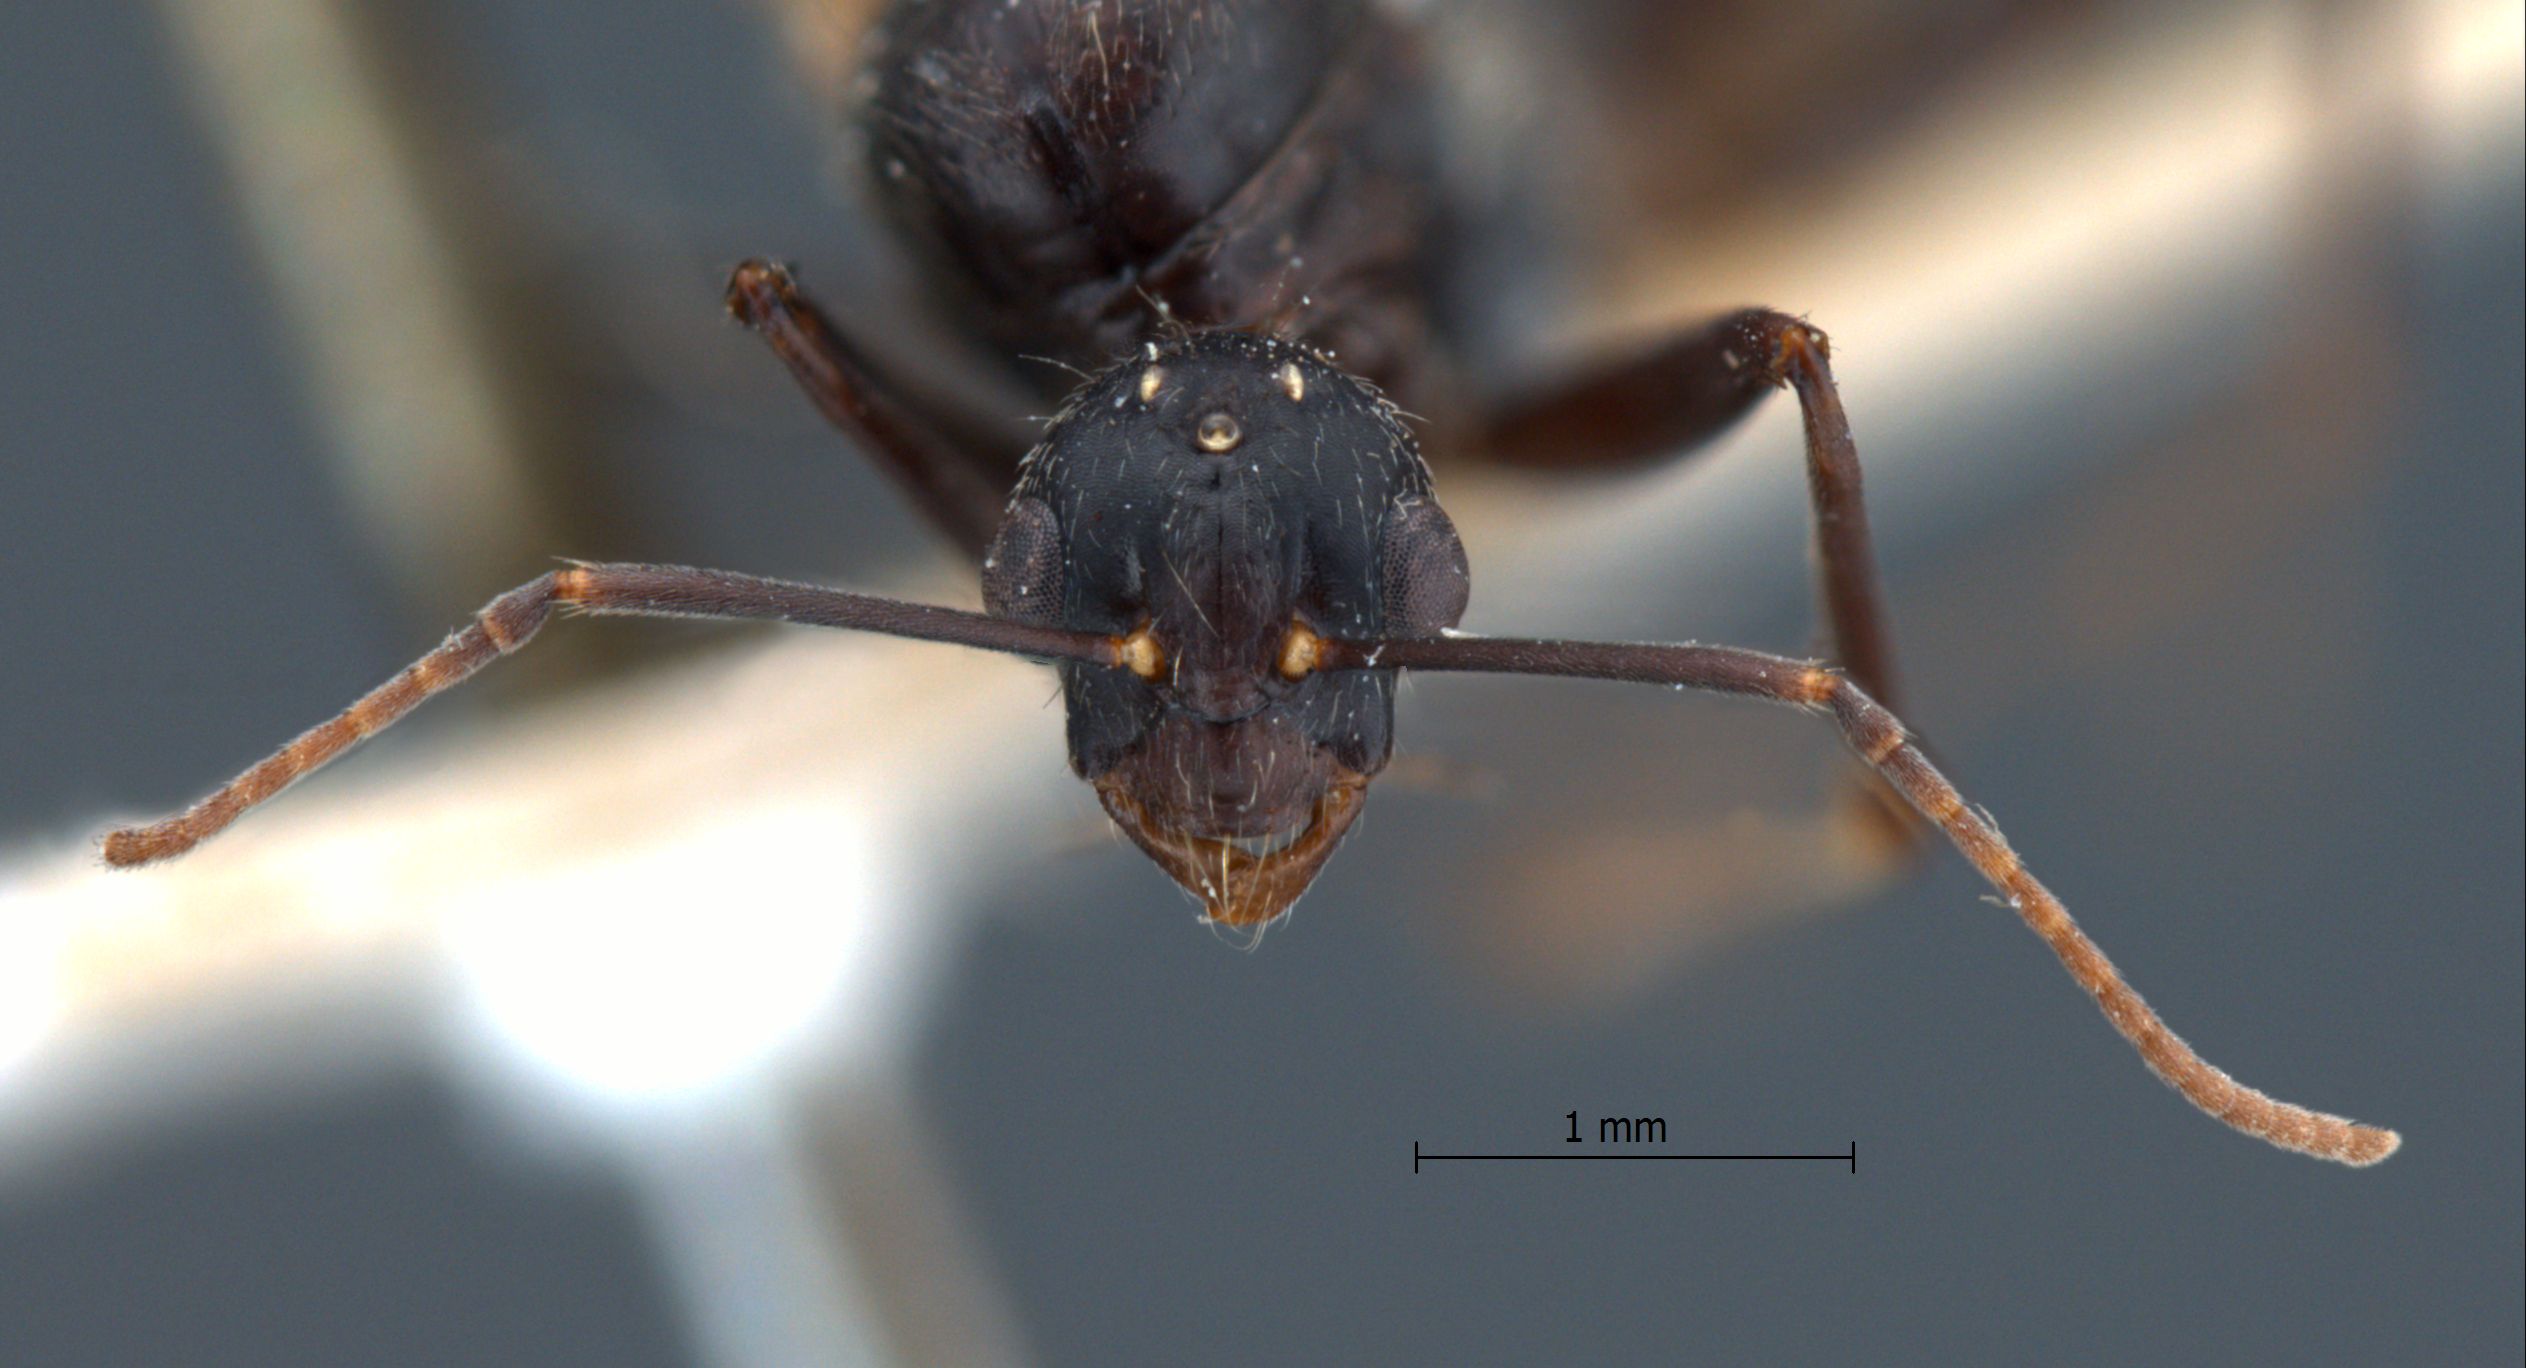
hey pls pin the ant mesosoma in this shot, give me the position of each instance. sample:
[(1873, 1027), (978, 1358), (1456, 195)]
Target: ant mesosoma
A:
[(1227, 540)]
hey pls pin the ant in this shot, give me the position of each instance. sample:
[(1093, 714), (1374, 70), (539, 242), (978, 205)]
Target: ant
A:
[(1230, 217)]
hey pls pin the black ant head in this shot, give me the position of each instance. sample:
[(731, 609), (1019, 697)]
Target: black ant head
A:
[(1223, 503)]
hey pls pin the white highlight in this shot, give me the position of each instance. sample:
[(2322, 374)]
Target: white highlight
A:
[(676, 971), (32, 968)]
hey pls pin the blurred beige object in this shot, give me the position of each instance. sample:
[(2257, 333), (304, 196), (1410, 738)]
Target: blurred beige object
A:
[(2127, 196), (652, 906), (406, 374), (821, 37), (665, 805), (2167, 214)]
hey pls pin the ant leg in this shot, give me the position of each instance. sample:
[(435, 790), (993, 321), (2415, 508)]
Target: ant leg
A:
[(1882, 742), (1686, 390), (1683, 391), (511, 620), (961, 491)]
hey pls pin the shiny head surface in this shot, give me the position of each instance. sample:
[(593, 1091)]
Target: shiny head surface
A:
[(1217, 502)]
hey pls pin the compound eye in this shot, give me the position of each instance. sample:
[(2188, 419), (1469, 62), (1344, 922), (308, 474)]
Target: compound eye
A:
[(1426, 578), (1021, 572)]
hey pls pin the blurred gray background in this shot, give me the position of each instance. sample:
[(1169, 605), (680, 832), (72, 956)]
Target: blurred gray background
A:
[(2237, 663)]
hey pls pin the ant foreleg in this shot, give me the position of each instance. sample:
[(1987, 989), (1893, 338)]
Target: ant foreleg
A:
[(1890, 751), (511, 620), (961, 492), (1685, 390)]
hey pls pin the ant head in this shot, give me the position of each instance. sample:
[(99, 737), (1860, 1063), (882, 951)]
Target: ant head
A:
[(1222, 503)]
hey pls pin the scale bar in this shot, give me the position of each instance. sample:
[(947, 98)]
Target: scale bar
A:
[(1850, 1157)]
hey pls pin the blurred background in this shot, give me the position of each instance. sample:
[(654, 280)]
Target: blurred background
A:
[(692, 995)]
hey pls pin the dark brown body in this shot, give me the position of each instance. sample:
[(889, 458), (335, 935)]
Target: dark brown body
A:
[(1205, 191), (1087, 176)]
